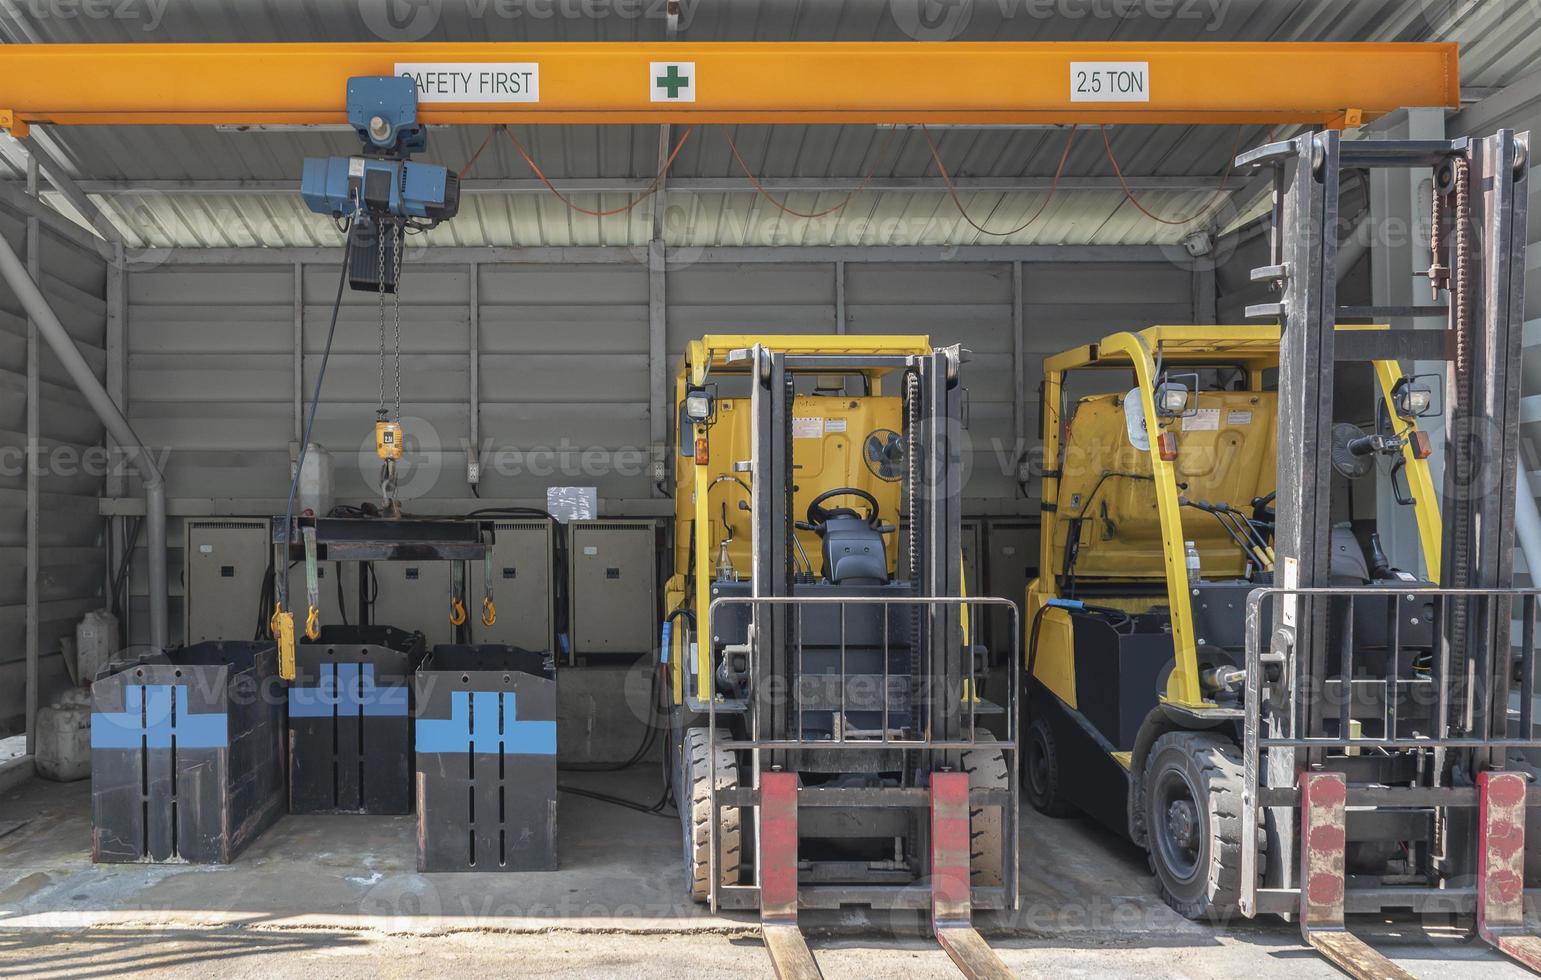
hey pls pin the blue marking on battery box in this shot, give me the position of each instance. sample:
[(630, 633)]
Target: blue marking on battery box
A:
[(147, 721), (473, 726), (348, 689)]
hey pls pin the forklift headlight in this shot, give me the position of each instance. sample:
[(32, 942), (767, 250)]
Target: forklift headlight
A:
[(1172, 400), (698, 405), (1413, 398)]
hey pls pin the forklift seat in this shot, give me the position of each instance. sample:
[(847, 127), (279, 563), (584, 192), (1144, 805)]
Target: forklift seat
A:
[(853, 550)]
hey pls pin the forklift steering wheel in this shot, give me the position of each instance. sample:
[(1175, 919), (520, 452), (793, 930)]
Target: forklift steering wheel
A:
[(818, 515)]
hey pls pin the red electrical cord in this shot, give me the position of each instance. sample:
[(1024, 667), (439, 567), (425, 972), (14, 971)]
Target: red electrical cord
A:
[(952, 191), (601, 214), (472, 162), (805, 214), (1219, 191)]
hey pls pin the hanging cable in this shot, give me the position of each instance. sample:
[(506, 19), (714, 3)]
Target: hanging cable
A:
[(1201, 212), (952, 191), (749, 176), (281, 583), (652, 189), (466, 168)]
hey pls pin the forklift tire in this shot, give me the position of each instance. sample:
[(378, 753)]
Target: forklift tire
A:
[(1193, 785), (694, 817), (986, 768), (1040, 771)]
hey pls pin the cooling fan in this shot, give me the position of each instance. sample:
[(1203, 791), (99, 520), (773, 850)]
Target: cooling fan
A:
[(884, 452)]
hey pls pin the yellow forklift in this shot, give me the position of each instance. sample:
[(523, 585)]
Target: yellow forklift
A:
[(828, 742), (1222, 662), (1157, 522)]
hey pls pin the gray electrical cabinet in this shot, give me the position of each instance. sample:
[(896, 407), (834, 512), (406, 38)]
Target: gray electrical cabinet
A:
[(332, 613), (522, 586), (414, 596), (1011, 561), (224, 562), (614, 587)]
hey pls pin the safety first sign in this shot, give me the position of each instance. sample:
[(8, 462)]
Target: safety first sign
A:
[(672, 81), (474, 82)]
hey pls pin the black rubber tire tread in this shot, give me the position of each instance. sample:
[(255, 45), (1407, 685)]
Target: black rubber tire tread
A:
[(1053, 804), (697, 858), (986, 768), (1217, 762)]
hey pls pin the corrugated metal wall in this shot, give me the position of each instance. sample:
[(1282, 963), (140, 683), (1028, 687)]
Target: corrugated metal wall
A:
[(564, 367), (70, 569)]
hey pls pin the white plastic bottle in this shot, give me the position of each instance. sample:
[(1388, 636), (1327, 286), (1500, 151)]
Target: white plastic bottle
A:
[(1193, 561)]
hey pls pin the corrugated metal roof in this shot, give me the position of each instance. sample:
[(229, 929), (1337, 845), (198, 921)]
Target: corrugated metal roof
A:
[(1500, 41)]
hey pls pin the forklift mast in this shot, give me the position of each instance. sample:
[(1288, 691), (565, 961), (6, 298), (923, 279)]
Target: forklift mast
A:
[(855, 741), (931, 536), (1306, 760)]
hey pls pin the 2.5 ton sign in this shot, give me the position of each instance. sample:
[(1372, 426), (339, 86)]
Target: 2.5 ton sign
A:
[(1110, 81)]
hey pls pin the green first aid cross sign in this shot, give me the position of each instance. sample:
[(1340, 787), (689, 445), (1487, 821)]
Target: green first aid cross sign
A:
[(672, 81)]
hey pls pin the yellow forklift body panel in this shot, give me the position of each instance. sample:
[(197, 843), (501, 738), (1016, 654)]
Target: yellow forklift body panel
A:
[(1134, 529), (828, 435)]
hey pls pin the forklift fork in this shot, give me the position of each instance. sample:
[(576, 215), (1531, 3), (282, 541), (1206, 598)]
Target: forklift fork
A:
[(1323, 880), (952, 904), (789, 953), (1501, 867)]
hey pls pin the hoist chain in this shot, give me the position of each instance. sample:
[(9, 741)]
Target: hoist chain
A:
[(398, 239), (387, 232), (380, 280)]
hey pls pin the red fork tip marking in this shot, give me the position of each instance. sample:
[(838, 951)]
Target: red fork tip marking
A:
[(1327, 790), (1505, 789)]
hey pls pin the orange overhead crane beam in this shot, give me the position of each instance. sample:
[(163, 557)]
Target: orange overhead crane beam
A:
[(1331, 85)]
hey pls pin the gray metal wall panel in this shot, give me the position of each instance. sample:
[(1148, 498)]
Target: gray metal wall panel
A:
[(563, 353), (69, 532)]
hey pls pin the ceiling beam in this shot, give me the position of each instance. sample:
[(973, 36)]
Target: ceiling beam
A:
[(610, 255), (682, 185), (1190, 83)]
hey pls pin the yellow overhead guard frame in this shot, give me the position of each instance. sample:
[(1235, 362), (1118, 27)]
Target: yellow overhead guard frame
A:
[(1190, 83)]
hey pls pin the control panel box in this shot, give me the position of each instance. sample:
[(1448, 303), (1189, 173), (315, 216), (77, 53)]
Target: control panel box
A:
[(223, 566), (414, 596), (614, 587), (523, 587)]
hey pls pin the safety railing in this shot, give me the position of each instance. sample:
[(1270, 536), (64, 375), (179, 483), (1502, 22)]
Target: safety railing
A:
[(1405, 671), (917, 736)]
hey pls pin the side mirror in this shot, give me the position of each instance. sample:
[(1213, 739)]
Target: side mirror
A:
[(1414, 397)]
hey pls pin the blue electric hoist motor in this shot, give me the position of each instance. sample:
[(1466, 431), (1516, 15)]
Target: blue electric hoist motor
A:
[(384, 192)]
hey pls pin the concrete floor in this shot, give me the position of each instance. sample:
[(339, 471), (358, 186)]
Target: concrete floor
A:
[(339, 894)]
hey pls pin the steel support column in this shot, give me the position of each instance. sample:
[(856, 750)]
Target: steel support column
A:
[(657, 366), (34, 437), (840, 314), (474, 367), (1018, 366), (297, 368)]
